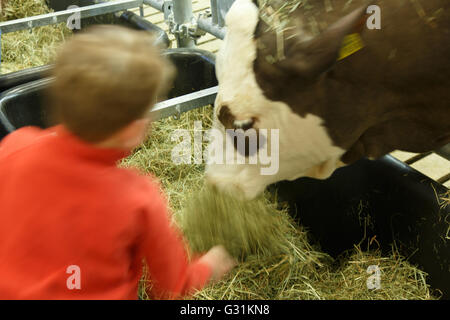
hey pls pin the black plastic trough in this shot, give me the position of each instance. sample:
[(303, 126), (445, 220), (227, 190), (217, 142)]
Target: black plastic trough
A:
[(24, 105), (13, 79), (384, 198)]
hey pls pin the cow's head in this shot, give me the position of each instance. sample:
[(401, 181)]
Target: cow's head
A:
[(254, 79)]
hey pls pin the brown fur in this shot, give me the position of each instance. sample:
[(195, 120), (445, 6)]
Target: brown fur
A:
[(392, 94)]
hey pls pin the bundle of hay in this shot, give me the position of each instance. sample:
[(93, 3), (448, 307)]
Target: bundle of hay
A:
[(277, 258), (246, 228), (29, 48)]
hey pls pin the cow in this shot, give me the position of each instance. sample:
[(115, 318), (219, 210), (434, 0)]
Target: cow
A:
[(390, 94)]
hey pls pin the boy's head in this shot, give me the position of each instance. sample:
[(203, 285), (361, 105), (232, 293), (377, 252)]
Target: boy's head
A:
[(106, 80)]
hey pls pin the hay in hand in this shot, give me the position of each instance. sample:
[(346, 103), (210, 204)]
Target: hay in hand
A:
[(29, 48), (245, 228)]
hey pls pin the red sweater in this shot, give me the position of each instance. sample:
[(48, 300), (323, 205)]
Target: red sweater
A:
[(65, 203)]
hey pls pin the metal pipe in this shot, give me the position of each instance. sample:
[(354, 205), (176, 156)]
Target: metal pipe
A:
[(156, 4), (206, 24), (185, 103), (63, 16), (220, 17), (182, 11), (214, 11), (183, 16)]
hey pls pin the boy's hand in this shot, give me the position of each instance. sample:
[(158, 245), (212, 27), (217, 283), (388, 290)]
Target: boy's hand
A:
[(220, 261)]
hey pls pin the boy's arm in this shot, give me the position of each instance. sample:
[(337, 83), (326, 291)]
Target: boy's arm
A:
[(165, 252)]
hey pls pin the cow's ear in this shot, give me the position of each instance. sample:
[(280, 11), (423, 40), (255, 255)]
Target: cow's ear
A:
[(315, 56)]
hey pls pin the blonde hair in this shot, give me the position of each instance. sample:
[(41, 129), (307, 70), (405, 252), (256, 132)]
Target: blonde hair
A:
[(105, 78)]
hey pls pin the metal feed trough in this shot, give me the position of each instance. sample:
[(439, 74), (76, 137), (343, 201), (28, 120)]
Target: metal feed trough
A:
[(386, 198)]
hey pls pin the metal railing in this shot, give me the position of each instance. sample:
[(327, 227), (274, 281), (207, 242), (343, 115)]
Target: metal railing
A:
[(63, 16), (103, 7), (188, 28)]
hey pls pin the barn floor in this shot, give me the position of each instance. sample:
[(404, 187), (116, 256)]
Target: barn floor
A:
[(432, 165)]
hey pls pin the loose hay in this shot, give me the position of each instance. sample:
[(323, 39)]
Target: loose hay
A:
[(29, 48), (444, 202), (282, 264), (290, 278), (276, 12)]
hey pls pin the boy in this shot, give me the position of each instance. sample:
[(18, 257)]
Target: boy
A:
[(72, 224)]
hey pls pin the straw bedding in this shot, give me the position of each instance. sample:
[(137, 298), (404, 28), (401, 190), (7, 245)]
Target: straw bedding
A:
[(29, 48)]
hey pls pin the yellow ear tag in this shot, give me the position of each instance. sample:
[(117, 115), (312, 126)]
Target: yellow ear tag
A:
[(351, 44)]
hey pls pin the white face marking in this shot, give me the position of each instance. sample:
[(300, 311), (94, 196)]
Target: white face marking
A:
[(305, 148)]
